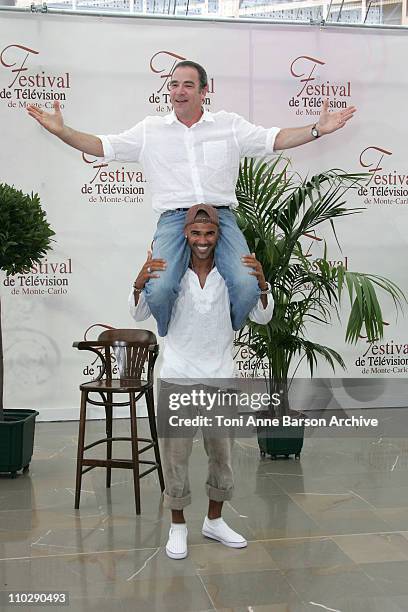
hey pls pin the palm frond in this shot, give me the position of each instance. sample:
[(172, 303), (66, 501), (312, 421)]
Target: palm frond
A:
[(276, 209)]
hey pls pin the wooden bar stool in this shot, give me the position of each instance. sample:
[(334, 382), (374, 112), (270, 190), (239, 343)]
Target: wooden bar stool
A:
[(132, 349)]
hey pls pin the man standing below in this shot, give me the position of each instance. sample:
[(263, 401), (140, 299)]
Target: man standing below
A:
[(189, 156), (199, 345)]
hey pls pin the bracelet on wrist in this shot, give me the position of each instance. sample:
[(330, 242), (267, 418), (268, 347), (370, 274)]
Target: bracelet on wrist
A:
[(268, 289), (136, 289)]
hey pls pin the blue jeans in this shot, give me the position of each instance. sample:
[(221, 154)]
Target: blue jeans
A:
[(170, 244)]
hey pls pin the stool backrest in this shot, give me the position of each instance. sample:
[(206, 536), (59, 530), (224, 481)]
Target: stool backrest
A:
[(143, 336), (132, 349)]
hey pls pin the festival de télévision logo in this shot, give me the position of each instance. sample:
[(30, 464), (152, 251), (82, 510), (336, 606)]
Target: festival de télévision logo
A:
[(44, 278), (313, 89), (26, 85), (107, 185), (386, 185)]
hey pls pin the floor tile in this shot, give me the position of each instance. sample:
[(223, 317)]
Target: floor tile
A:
[(390, 577), (298, 553), (353, 604), (277, 516), (328, 502), (395, 518), (374, 548), (249, 589), (329, 583), (390, 497), (271, 607), (149, 578), (209, 560), (338, 522)]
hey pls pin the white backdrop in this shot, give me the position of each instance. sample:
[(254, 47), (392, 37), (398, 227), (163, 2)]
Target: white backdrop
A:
[(108, 74)]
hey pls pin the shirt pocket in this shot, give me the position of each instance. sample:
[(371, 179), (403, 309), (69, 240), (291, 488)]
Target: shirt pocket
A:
[(216, 154)]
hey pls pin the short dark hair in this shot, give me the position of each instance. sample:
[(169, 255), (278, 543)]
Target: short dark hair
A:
[(202, 75)]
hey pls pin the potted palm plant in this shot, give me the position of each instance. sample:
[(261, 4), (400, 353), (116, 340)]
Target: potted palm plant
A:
[(276, 210), (25, 239)]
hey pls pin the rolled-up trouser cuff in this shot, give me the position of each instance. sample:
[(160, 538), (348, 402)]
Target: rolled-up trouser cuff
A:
[(176, 503), (219, 495)]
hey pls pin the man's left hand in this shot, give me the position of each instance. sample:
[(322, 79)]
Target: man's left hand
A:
[(252, 262), (330, 122)]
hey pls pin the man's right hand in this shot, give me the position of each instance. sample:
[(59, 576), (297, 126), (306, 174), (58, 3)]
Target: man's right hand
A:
[(149, 270), (53, 122)]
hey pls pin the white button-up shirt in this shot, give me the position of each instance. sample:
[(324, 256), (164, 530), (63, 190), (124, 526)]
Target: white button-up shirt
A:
[(200, 337), (186, 166)]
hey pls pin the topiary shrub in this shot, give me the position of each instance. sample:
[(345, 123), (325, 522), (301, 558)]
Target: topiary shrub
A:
[(25, 237)]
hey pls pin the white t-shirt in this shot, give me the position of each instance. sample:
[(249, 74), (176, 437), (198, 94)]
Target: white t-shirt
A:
[(200, 337)]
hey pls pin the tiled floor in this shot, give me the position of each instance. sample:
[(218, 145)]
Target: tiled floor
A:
[(327, 533)]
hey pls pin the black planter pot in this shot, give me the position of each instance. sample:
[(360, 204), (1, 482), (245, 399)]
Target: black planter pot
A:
[(281, 440), (16, 440)]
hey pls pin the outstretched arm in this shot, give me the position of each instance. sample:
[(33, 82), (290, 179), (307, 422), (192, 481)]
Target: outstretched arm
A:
[(328, 122), (54, 123)]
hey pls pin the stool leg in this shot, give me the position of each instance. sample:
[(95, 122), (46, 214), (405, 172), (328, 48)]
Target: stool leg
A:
[(109, 430), (153, 433), (135, 451), (80, 453)]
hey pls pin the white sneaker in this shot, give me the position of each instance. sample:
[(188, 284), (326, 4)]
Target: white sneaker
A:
[(176, 547), (217, 529)]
